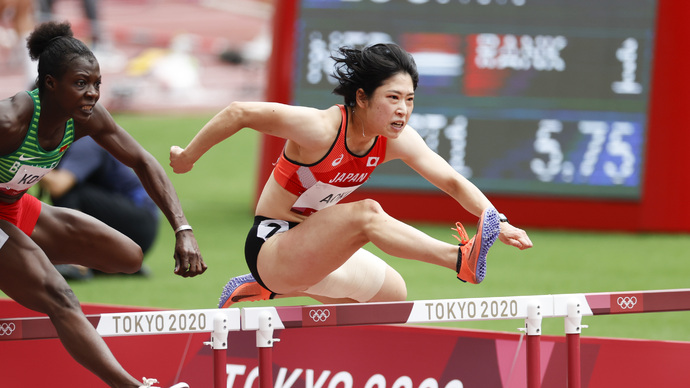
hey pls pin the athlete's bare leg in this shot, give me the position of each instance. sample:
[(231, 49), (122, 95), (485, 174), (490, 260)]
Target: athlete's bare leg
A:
[(29, 278), (293, 261), (68, 236), (392, 290)]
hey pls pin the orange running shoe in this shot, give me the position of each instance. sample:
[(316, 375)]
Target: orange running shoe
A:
[(243, 289), (471, 265)]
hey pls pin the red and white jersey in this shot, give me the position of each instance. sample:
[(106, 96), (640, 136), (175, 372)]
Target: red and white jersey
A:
[(337, 174)]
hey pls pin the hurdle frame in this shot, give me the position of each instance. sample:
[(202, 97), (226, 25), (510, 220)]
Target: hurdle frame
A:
[(265, 320), (533, 309)]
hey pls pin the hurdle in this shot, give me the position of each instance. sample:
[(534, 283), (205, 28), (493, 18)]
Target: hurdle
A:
[(218, 322), (532, 309), (574, 306), (265, 320)]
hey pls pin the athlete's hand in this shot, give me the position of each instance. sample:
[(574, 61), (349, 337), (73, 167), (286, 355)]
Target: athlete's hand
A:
[(178, 162), (513, 236), (188, 260)]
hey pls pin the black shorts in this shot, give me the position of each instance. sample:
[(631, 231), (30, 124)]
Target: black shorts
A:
[(262, 229)]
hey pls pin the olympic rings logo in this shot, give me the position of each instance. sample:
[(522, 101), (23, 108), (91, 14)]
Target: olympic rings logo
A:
[(7, 328), (627, 302), (319, 315)]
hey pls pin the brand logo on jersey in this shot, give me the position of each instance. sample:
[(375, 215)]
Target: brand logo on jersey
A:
[(345, 177), (23, 158), (338, 160), (373, 161)]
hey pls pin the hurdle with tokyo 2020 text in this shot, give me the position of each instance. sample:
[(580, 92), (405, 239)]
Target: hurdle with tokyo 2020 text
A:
[(157, 322), (374, 356), (469, 309), (454, 310)]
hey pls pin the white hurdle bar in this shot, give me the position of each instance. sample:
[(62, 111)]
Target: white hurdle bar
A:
[(572, 307), (218, 322)]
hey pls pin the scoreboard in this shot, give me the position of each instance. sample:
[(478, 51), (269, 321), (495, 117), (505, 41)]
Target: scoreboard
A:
[(540, 103), (520, 96)]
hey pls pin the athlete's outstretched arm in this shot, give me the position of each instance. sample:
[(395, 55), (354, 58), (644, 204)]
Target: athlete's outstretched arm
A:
[(299, 124), (114, 139), (411, 149)]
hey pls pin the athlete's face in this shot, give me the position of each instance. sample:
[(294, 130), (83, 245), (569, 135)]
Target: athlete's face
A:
[(79, 88), (391, 105)]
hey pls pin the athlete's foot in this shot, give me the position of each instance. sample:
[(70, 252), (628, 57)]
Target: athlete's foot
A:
[(471, 266), (243, 289)]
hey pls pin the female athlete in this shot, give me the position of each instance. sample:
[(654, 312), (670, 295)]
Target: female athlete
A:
[(303, 242), (36, 128)]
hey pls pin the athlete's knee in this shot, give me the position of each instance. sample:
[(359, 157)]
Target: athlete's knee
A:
[(369, 211), (134, 263), (393, 289), (115, 255), (370, 207), (398, 286), (128, 259), (130, 256)]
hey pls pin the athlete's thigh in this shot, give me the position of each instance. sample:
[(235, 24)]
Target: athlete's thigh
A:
[(26, 274), (316, 247), (70, 236)]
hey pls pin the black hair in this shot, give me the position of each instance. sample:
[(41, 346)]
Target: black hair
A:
[(54, 46), (369, 68)]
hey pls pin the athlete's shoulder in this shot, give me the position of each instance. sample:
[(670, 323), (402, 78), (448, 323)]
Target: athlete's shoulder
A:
[(335, 113), (316, 123), (16, 107), (15, 116), (331, 113)]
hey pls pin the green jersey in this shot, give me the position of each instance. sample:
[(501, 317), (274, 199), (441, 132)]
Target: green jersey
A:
[(30, 162)]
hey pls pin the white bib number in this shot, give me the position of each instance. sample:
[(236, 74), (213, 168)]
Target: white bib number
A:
[(268, 228), (322, 195), (26, 177)]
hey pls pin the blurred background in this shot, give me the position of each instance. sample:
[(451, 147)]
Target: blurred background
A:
[(155, 55), (569, 115), (519, 94)]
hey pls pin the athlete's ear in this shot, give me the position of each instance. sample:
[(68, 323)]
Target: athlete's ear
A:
[(360, 98), (50, 82)]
